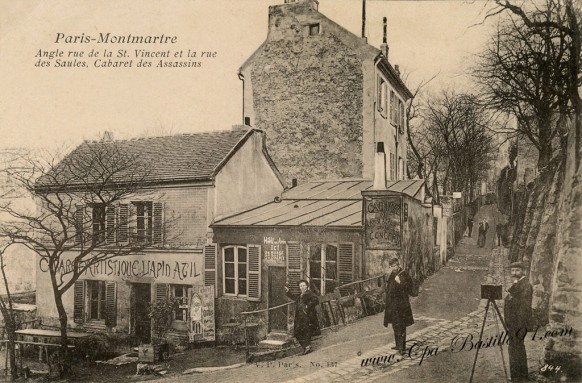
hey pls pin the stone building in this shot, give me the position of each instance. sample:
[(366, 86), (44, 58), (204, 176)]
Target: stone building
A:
[(192, 179), (325, 97)]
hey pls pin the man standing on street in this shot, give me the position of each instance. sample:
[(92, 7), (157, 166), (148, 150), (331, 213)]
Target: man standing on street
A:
[(470, 226), (398, 311), (517, 318)]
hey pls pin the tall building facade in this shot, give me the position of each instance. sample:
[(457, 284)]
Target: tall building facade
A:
[(324, 97)]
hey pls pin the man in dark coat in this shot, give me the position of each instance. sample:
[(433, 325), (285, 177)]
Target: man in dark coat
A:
[(470, 226), (398, 311), (517, 318), (306, 324)]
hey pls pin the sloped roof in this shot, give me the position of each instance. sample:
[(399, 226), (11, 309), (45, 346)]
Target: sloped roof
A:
[(182, 157), (335, 203)]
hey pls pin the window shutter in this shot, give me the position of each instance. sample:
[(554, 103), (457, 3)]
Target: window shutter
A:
[(79, 302), (79, 223), (110, 224), (345, 263), (161, 291), (293, 266), (132, 223), (123, 227), (110, 304), (254, 272), (158, 213), (210, 252)]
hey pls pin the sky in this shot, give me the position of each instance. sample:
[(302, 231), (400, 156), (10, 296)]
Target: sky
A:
[(44, 107)]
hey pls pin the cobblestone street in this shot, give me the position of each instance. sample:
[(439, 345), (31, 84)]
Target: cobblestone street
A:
[(448, 309)]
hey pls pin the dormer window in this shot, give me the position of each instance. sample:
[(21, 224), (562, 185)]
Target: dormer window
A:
[(313, 29)]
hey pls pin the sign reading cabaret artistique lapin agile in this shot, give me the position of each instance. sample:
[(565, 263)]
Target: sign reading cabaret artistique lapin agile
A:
[(162, 268), (383, 222)]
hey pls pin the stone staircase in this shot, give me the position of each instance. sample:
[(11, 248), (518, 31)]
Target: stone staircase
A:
[(279, 344)]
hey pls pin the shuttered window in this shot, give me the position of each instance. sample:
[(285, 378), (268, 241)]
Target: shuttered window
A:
[(161, 291), (123, 228), (254, 272), (242, 271), (79, 302), (210, 253), (110, 304), (346, 263), (110, 227), (158, 217), (79, 223), (294, 269)]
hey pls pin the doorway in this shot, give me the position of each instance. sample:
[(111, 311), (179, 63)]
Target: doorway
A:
[(277, 296), (141, 297)]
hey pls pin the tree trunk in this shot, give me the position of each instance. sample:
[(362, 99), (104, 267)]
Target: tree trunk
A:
[(64, 362)]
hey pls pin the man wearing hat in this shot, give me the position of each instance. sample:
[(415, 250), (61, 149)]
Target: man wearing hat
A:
[(517, 318), (398, 311)]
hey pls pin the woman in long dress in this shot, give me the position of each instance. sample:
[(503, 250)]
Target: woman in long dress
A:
[(306, 324)]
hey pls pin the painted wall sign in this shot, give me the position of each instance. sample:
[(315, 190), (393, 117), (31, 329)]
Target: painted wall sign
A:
[(274, 251), (383, 222), (202, 322), (162, 268)]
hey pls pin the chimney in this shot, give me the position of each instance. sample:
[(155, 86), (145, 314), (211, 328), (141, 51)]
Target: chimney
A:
[(247, 121), (384, 46), (239, 127), (397, 70), (363, 18), (107, 136), (380, 167)]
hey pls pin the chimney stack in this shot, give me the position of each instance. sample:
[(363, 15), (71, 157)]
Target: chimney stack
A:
[(247, 121), (380, 167), (107, 136), (363, 18), (384, 46)]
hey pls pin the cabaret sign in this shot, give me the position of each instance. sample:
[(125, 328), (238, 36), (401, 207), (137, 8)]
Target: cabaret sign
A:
[(383, 222), (161, 268)]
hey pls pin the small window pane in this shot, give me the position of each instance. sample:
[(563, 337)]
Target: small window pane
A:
[(242, 286), (229, 270), (331, 253), (242, 254), (229, 286), (315, 252), (315, 269), (242, 270), (229, 254)]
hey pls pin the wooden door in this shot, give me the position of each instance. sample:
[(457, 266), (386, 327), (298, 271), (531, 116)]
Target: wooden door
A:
[(277, 296)]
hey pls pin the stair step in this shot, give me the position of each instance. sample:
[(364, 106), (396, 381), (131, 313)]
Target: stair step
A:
[(276, 335), (273, 344)]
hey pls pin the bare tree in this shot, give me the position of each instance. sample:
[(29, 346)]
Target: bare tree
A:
[(455, 142), (531, 70), (7, 310), (76, 225)]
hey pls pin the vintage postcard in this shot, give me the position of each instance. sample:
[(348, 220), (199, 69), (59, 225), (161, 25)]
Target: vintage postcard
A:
[(290, 190)]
